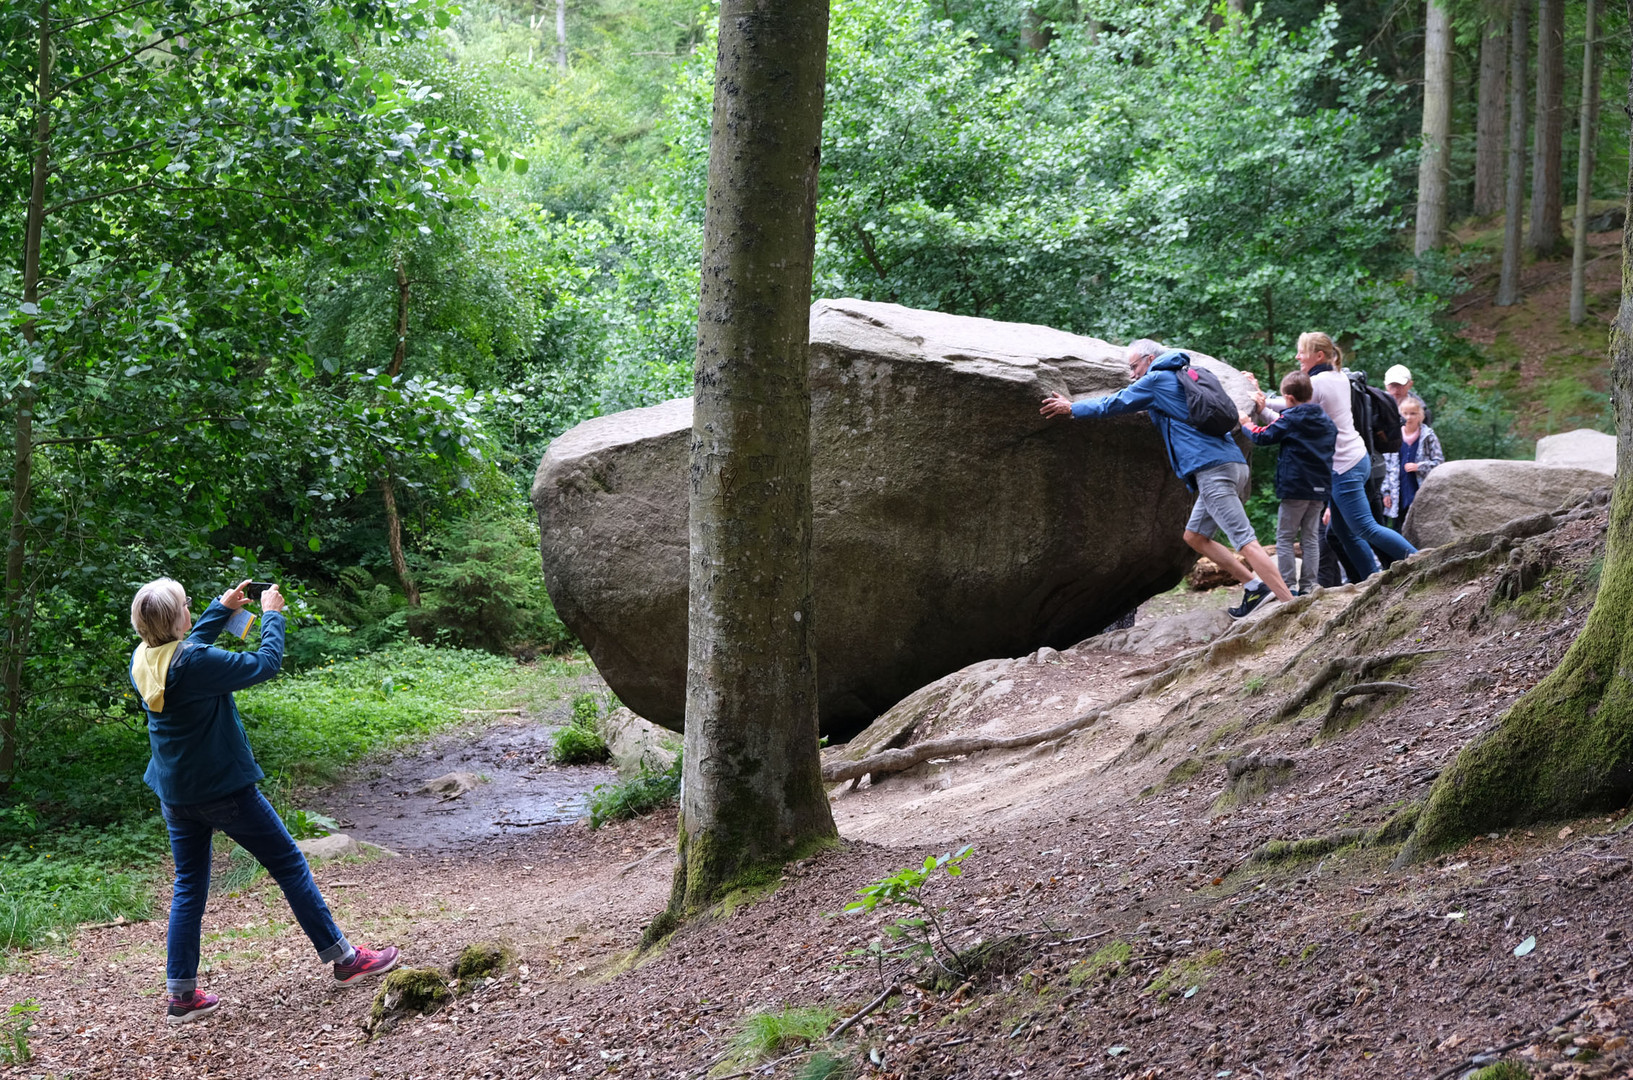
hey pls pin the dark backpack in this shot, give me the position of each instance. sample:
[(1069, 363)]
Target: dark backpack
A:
[(1377, 417), (1208, 408)]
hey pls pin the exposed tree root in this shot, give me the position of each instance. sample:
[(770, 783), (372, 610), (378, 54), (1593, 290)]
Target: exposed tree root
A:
[(1393, 831), (890, 761), (1358, 666)]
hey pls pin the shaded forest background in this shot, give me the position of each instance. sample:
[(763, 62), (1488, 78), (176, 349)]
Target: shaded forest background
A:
[(314, 294)]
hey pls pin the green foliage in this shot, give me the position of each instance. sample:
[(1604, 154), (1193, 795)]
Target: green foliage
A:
[(579, 741), (1502, 1070), (923, 935), (766, 1034), (826, 1066), (483, 588), (647, 792), (311, 727), (14, 1048), (309, 824), (48, 887)]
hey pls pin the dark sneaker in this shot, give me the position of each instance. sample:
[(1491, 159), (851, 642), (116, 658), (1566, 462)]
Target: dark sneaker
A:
[(1251, 598), (366, 961), (190, 1005)]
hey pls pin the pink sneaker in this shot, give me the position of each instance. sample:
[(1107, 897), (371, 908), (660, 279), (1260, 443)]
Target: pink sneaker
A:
[(365, 961), (190, 1005)]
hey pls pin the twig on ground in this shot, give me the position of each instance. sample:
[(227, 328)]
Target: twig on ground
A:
[(866, 1011), (1469, 1063), (1358, 690)]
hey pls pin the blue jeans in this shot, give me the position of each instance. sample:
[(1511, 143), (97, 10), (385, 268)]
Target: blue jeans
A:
[(249, 819), (1354, 526)]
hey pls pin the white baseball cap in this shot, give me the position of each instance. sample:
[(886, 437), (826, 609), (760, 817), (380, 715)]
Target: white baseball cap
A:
[(1398, 375)]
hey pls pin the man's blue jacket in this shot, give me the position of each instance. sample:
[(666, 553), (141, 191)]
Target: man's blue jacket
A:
[(1158, 393), (199, 749)]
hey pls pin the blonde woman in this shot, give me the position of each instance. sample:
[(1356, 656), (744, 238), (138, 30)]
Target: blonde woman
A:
[(205, 775), (1353, 525)]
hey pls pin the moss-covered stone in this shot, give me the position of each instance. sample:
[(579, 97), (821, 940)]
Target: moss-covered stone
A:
[(481, 959), (407, 992)]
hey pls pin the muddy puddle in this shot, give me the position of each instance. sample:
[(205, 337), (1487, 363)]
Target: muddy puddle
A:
[(521, 792)]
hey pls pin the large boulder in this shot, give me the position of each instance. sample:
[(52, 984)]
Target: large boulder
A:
[(1462, 498), (952, 522), (1583, 448)]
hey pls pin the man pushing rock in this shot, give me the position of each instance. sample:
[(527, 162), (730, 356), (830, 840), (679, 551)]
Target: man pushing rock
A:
[(1212, 466)]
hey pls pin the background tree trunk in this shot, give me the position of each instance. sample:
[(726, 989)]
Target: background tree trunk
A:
[(18, 602), (1492, 117), (561, 35), (1587, 128), (1547, 158), (752, 791), (1034, 34), (1519, 41), (1566, 747), (1437, 128), (388, 482)]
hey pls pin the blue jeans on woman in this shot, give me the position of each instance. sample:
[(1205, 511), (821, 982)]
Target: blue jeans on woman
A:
[(1353, 525), (249, 819)]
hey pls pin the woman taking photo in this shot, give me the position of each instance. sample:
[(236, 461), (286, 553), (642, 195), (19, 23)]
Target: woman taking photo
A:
[(205, 775), (1353, 525)]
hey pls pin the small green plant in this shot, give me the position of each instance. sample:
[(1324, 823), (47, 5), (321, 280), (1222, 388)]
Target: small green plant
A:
[(826, 1066), (1253, 685), (580, 741), (1502, 1070), (309, 824), (634, 798), (769, 1033), (922, 936), (14, 1048)]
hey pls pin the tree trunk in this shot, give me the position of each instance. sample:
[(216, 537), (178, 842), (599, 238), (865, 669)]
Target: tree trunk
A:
[(752, 788), (1587, 126), (561, 35), (1433, 171), (1034, 34), (1547, 158), (18, 603), (388, 483), (1492, 118), (1566, 747), (1519, 40)]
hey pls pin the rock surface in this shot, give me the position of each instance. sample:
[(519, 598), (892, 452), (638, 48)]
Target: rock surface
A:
[(1583, 448), (450, 784), (952, 522), (1462, 498), (638, 746), (1146, 639), (332, 846)]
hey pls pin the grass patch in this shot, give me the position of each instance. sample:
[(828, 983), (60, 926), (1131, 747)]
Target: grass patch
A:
[(1186, 976), (769, 1034), (1502, 1070), (826, 1066), (1110, 958), (645, 793)]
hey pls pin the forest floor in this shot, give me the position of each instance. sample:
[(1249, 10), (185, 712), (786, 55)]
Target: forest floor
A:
[(1113, 919)]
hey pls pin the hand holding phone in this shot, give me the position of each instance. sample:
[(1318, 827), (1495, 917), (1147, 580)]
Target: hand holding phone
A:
[(253, 589)]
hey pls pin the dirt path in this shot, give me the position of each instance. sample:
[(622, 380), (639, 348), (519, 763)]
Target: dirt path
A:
[(1137, 941)]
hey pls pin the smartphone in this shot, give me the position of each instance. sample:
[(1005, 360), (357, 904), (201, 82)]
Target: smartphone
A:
[(255, 588)]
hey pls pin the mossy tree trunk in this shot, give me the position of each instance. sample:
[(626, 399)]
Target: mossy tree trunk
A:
[(1435, 154), (1519, 41), (752, 795), (1548, 133), (1565, 748)]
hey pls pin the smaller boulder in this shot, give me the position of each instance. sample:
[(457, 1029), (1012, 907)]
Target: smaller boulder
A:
[(638, 746), (1583, 448), (332, 846), (406, 992), (450, 785), (1464, 498), (1145, 639), (1608, 220)]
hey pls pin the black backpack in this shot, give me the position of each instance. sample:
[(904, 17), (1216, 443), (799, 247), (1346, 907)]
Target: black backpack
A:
[(1209, 409), (1377, 417)]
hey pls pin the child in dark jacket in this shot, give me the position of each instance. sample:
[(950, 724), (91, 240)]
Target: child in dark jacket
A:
[(1303, 475)]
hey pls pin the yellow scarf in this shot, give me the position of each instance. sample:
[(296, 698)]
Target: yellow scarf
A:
[(150, 668)]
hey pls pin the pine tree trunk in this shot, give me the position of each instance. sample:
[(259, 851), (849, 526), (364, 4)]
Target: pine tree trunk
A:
[(1587, 125), (18, 602), (1034, 34), (1492, 118), (1548, 149), (1433, 172), (752, 793), (1519, 41), (1566, 747)]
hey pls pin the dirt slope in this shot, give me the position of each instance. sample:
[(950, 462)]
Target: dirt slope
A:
[(1140, 939)]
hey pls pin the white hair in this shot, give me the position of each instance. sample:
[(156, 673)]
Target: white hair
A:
[(159, 612), (1143, 347)]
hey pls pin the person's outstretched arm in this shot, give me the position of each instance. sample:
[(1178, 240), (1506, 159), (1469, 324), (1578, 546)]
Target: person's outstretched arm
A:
[(225, 671), (214, 620)]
